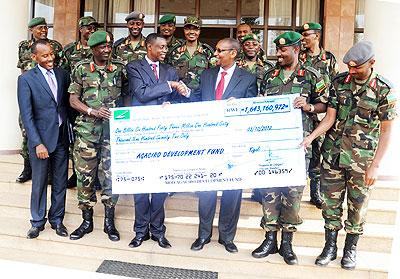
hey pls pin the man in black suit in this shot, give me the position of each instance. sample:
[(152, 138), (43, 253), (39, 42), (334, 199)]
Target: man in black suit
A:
[(152, 83), (222, 83), (42, 99)]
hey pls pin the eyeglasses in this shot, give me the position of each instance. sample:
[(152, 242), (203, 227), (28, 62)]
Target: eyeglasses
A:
[(222, 50)]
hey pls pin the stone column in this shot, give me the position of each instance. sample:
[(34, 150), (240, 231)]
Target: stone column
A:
[(14, 17), (382, 21), (338, 27), (66, 15)]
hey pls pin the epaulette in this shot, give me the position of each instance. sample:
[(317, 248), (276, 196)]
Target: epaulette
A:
[(341, 76), (118, 42), (330, 55), (82, 62), (175, 48), (117, 61), (269, 63), (24, 42), (69, 46), (206, 46), (314, 71), (270, 70), (384, 81), (56, 43)]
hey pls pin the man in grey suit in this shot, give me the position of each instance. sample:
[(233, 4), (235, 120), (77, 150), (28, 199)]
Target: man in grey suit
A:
[(42, 99), (152, 83), (222, 83)]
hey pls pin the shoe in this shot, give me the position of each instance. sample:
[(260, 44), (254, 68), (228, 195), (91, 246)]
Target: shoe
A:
[(26, 173), (329, 253), (349, 252), (229, 246), (199, 243), (286, 250), (162, 241), (60, 229), (268, 246), (315, 194), (72, 181), (137, 241), (34, 232), (109, 226), (86, 226)]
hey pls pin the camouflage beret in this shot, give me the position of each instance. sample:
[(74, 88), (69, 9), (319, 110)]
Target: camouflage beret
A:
[(168, 18), (37, 21), (310, 26), (288, 38), (250, 37), (98, 38), (135, 16), (192, 20), (358, 54), (86, 21)]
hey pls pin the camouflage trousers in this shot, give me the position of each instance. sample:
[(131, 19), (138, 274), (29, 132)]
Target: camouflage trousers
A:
[(335, 183), (314, 170), (24, 147), (281, 206), (88, 158)]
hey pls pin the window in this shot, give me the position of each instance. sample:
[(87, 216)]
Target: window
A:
[(45, 8), (268, 18), (359, 21)]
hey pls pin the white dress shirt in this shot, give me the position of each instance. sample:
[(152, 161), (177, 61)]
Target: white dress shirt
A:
[(228, 76)]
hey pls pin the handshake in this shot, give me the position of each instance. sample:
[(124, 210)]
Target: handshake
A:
[(181, 87)]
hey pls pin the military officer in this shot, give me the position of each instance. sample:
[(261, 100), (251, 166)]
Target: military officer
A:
[(325, 62), (132, 47), (96, 86), (38, 27), (242, 30), (167, 29), (79, 50), (192, 57), (281, 205), (362, 105)]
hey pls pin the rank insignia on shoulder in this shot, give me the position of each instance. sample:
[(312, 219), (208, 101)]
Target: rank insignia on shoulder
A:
[(92, 67), (323, 57), (347, 79), (372, 83), (301, 72), (275, 73)]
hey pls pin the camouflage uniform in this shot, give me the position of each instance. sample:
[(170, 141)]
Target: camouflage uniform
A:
[(96, 87), (123, 50), (350, 145), (258, 69), (325, 64), (189, 67), (75, 52), (281, 205), (175, 42), (25, 63)]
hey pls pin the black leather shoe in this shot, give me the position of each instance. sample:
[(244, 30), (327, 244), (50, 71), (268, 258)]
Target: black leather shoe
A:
[(162, 241), (26, 173), (199, 243), (60, 229), (72, 181), (229, 246), (34, 232), (137, 241)]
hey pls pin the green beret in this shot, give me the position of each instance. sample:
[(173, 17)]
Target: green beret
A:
[(135, 16), (37, 21), (168, 18), (98, 38), (250, 37), (86, 21), (358, 54), (192, 20), (288, 38), (310, 26)]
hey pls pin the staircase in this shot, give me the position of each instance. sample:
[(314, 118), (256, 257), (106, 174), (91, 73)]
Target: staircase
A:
[(374, 248)]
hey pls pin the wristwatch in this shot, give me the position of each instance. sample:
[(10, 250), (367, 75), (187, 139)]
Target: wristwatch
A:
[(89, 111)]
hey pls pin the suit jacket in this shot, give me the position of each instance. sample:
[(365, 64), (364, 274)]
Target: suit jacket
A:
[(143, 86), (39, 109), (241, 85)]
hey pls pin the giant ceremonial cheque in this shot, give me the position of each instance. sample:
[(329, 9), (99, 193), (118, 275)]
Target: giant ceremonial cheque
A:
[(237, 144)]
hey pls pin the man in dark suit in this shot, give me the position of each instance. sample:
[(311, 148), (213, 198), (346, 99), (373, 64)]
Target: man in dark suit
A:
[(42, 99), (152, 83), (222, 83)]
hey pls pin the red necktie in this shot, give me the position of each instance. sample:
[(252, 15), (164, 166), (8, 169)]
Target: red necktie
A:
[(154, 66), (220, 87)]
